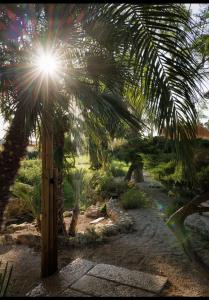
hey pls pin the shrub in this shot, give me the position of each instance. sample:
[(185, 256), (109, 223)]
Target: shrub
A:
[(68, 194), (134, 198), (30, 172), (32, 154), (113, 188), (15, 207), (29, 198), (203, 178)]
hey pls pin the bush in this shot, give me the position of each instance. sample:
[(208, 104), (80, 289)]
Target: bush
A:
[(68, 195), (203, 178), (134, 198), (30, 172), (32, 154), (29, 198), (16, 207), (113, 188)]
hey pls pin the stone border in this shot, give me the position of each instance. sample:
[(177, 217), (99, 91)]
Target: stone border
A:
[(123, 222)]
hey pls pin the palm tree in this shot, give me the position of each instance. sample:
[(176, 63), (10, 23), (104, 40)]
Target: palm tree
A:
[(128, 50)]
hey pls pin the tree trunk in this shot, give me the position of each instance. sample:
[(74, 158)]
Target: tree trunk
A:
[(136, 168), (59, 161), (138, 173), (93, 154), (74, 221), (129, 173), (176, 224), (14, 149)]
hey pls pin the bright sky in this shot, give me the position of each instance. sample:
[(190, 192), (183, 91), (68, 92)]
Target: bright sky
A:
[(195, 9)]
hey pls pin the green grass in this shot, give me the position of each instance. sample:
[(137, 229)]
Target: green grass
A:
[(82, 162), (118, 168)]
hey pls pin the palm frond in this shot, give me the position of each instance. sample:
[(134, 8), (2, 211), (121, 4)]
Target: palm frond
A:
[(154, 41)]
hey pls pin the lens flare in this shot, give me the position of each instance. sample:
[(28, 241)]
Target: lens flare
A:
[(47, 63)]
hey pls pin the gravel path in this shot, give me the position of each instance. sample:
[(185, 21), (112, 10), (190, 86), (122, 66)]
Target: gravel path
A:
[(151, 248)]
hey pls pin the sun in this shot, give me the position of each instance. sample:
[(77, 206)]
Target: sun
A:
[(47, 63), (46, 68)]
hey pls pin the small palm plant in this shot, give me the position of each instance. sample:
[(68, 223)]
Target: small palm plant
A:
[(78, 183), (5, 275)]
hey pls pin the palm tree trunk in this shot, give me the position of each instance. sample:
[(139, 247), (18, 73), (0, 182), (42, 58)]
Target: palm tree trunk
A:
[(76, 210), (74, 221), (176, 224), (59, 157), (93, 154), (129, 173), (13, 150)]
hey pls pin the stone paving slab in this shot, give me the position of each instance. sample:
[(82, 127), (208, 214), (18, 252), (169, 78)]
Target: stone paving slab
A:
[(55, 284), (101, 287), (146, 281), (84, 278), (72, 293)]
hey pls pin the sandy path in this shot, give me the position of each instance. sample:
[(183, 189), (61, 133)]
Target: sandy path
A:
[(152, 248)]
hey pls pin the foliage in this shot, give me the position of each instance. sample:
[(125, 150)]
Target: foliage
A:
[(29, 172), (89, 237), (134, 198), (69, 201), (203, 178), (32, 154), (172, 207), (29, 195), (103, 210), (118, 168), (16, 207)]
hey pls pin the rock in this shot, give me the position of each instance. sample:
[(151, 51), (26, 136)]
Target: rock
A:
[(119, 216), (199, 224), (31, 240), (67, 213), (11, 221), (82, 212), (8, 239), (17, 227), (92, 212), (97, 220), (110, 229)]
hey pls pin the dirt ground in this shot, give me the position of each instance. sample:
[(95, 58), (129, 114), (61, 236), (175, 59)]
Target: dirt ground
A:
[(150, 248)]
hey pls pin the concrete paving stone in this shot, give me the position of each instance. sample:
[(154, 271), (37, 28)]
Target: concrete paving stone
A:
[(55, 284), (146, 281), (76, 269), (98, 287), (38, 291), (72, 293)]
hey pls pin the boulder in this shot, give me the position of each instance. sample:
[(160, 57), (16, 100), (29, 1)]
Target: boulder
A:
[(97, 220), (11, 221), (67, 213), (199, 224), (31, 240), (17, 227), (93, 211)]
